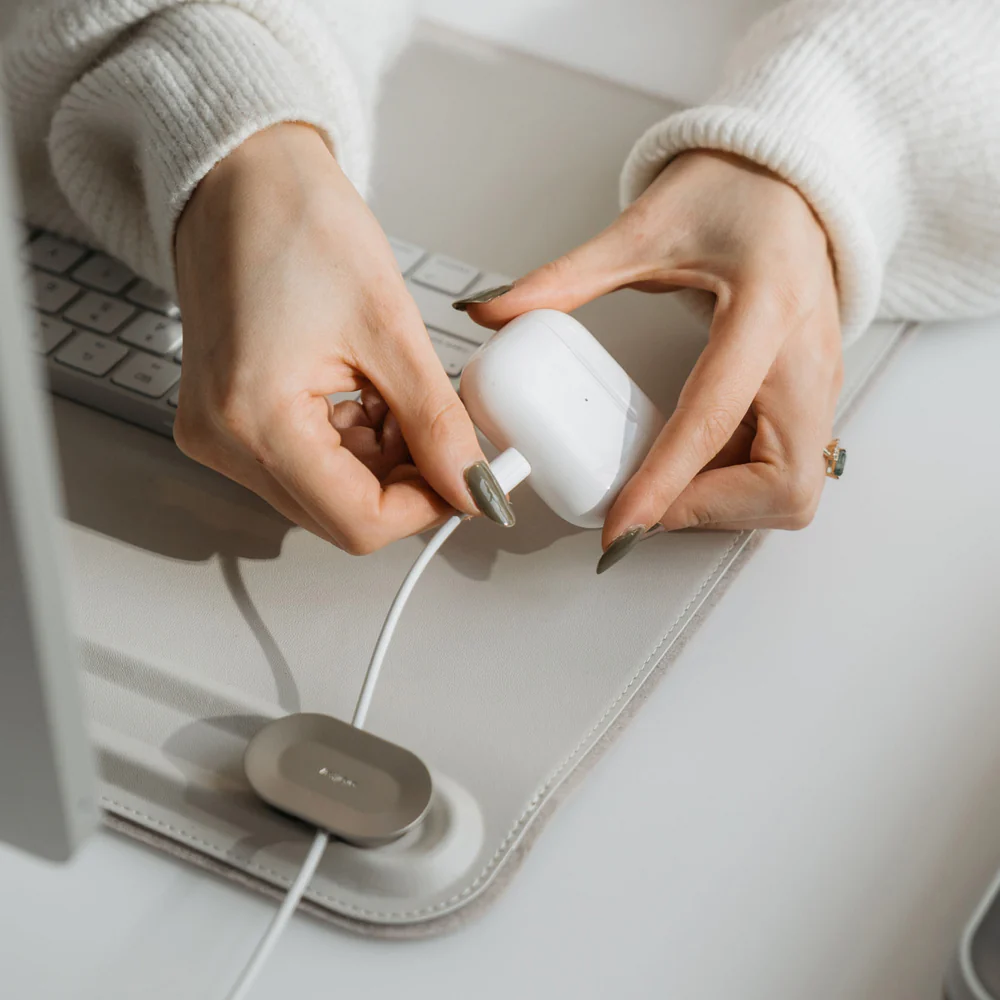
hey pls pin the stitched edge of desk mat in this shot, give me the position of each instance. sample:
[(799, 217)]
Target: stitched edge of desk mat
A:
[(486, 887)]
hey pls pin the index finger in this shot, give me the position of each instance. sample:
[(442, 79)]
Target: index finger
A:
[(742, 346), (305, 454)]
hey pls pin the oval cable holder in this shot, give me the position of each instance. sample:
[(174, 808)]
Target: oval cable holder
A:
[(363, 790)]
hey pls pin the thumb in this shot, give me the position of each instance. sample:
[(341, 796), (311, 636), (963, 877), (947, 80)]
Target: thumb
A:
[(601, 265)]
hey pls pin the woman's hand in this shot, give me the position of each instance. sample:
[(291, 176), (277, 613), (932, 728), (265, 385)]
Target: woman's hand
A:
[(744, 447), (289, 292)]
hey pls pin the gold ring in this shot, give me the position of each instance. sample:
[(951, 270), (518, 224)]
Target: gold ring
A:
[(836, 459)]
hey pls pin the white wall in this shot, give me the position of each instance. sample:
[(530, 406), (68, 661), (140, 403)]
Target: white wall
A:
[(671, 47)]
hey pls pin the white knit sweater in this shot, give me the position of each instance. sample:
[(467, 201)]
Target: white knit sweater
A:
[(885, 114)]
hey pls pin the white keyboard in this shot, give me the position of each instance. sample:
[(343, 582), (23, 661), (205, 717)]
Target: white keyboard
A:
[(113, 341)]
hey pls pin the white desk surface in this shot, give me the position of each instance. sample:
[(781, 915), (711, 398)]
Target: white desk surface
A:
[(674, 48), (825, 755)]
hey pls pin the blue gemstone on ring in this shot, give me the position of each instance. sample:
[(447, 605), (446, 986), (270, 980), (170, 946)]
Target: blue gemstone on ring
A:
[(841, 461)]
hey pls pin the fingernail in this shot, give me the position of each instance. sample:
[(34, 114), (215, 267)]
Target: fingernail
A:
[(620, 548), (488, 495), (486, 295)]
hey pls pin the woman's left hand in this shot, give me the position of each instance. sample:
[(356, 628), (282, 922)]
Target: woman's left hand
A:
[(744, 446)]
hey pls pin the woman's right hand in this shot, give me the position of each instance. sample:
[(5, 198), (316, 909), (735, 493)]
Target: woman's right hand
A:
[(290, 292)]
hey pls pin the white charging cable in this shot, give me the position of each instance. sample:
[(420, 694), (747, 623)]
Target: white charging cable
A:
[(510, 469)]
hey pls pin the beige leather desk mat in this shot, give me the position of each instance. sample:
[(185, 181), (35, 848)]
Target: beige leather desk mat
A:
[(202, 614)]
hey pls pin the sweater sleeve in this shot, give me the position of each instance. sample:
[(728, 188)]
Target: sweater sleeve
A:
[(885, 115), (120, 107)]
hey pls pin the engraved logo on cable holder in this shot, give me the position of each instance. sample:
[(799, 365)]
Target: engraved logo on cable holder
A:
[(337, 778)]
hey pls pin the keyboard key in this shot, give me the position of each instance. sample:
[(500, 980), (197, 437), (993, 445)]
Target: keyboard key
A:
[(54, 254), (145, 293), (408, 255), (178, 357), (49, 333), (438, 315), (91, 354), (103, 273), (452, 351), (447, 275), (174, 398), (153, 332), (99, 313), (52, 294), (148, 375)]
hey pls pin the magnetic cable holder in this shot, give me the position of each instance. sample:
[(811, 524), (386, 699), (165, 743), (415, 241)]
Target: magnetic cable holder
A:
[(347, 782)]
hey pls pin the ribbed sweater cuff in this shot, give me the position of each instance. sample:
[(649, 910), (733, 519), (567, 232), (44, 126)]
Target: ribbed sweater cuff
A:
[(766, 139), (183, 91)]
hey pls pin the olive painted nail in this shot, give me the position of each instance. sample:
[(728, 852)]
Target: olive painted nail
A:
[(488, 494), (620, 548), (486, 295)]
